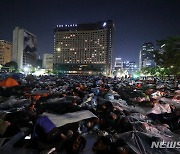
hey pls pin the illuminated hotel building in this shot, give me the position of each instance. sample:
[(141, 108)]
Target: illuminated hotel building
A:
[(5, 52), (83, 48)]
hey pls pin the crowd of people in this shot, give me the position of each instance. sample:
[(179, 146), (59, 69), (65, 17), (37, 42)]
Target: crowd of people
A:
[(128, 114)]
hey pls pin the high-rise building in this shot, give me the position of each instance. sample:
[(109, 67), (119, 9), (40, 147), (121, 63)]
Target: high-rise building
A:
[(39, 62), (83, 48), (48, 61), (146, 56), (24, 48), (5, 52), (130, 67), (118, 63)]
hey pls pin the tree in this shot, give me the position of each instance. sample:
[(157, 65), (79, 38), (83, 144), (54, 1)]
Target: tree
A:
[(168, 56), (155, 71), (11, 66), (49, 72), (161, 72)]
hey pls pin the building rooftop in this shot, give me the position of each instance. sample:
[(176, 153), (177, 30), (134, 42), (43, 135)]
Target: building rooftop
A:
[(85, 26)]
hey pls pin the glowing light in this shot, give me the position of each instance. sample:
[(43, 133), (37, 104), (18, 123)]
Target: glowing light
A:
[(135, 75), (26, 69), (58, 49), (104, 24), (40, 72)]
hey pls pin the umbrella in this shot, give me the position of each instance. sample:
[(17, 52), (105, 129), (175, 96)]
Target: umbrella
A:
[(8, 82)]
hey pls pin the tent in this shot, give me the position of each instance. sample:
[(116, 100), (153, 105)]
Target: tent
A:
[(8, 82)]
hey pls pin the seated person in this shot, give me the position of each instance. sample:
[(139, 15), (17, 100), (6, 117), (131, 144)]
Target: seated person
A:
[(75, 144), (105, 146), (46, 131), (46, 135), (23, 117), (7, 129), (88, 125), (119, 123)]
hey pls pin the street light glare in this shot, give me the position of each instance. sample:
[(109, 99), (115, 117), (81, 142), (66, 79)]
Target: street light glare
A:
[(26, 69)]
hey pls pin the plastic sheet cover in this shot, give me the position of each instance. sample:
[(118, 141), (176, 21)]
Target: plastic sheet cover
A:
[(173, 102), (14, 103), (122, 105), (160, 109), (158, 130), (60, 120), (141, 143)]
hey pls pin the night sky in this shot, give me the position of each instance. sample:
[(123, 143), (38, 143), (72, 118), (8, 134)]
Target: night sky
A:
[(136, 21)]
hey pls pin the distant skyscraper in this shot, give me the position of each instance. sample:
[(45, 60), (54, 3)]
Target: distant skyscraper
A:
[(39, 62), (146, 56), (118, 63), (24, 47), (130, 67), (48, 61), (83, 48), (5, 52)]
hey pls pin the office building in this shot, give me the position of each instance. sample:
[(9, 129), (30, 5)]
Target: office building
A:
[(5, 52), (24, 48), (146, 56), (39, 63), (118, 63), (130, 67), (48, 61), (83, 48)]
